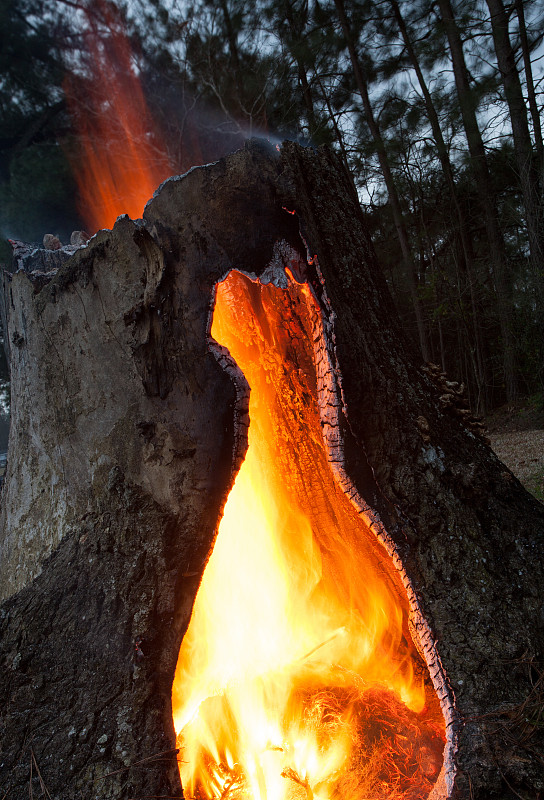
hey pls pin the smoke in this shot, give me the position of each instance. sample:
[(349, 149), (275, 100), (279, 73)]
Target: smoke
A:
[(198, 132)]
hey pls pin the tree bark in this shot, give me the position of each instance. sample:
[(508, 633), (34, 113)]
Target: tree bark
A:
[(453, 512), (132, 432)]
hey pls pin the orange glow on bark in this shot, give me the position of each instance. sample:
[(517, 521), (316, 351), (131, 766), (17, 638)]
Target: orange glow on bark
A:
[(297, 677)]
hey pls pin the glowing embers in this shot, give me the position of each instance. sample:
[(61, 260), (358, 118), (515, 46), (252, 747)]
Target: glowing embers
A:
[(297, 677)]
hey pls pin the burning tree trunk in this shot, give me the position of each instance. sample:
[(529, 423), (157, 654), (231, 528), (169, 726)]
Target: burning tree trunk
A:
[(127, 431)]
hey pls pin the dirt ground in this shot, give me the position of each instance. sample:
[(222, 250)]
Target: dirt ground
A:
[(517, 437)]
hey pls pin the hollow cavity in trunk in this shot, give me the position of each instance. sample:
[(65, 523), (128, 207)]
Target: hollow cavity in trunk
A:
[(297, 677)]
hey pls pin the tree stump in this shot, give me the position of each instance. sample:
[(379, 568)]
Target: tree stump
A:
[(127, 432)]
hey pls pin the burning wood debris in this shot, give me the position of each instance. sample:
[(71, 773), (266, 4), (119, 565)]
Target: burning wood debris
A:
[(287, 686), (393, 754), (42, 263), (77, 239)]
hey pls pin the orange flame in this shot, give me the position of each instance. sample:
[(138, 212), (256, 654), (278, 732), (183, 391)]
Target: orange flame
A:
[(297, 677), (122, 158)]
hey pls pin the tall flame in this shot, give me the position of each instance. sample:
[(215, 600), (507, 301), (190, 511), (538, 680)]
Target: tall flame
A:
[(121, 158), (297, 677)]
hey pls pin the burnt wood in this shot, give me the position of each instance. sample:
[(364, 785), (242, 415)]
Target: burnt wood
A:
[(126, 435)]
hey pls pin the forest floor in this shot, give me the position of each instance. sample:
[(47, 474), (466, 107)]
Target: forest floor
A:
[(517, 437)]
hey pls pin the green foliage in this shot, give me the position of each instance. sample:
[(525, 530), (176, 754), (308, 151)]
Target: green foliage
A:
[(36, 191), (30, 67), (38, 195)]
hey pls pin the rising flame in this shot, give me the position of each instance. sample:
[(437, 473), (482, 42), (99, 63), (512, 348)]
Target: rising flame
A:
[(121, 157), (297, 677)]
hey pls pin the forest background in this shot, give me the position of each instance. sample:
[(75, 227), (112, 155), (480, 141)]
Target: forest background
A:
[(434, 105)]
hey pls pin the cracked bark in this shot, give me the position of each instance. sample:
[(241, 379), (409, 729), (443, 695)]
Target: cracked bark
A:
[(101, 560)]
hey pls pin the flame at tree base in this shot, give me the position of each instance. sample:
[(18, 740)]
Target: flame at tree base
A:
[(297, 677), (368, 742)]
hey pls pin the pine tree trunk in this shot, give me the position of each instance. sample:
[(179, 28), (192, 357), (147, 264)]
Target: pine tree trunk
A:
[(485, 193), (464, 235), (393, 197), (127, 432), (535, 114), (525, 157)]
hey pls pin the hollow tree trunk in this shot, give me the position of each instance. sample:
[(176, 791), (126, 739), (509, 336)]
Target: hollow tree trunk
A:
[(127, 432)]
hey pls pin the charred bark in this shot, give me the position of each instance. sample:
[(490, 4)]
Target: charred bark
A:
[(126, 434), (451, 509)]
